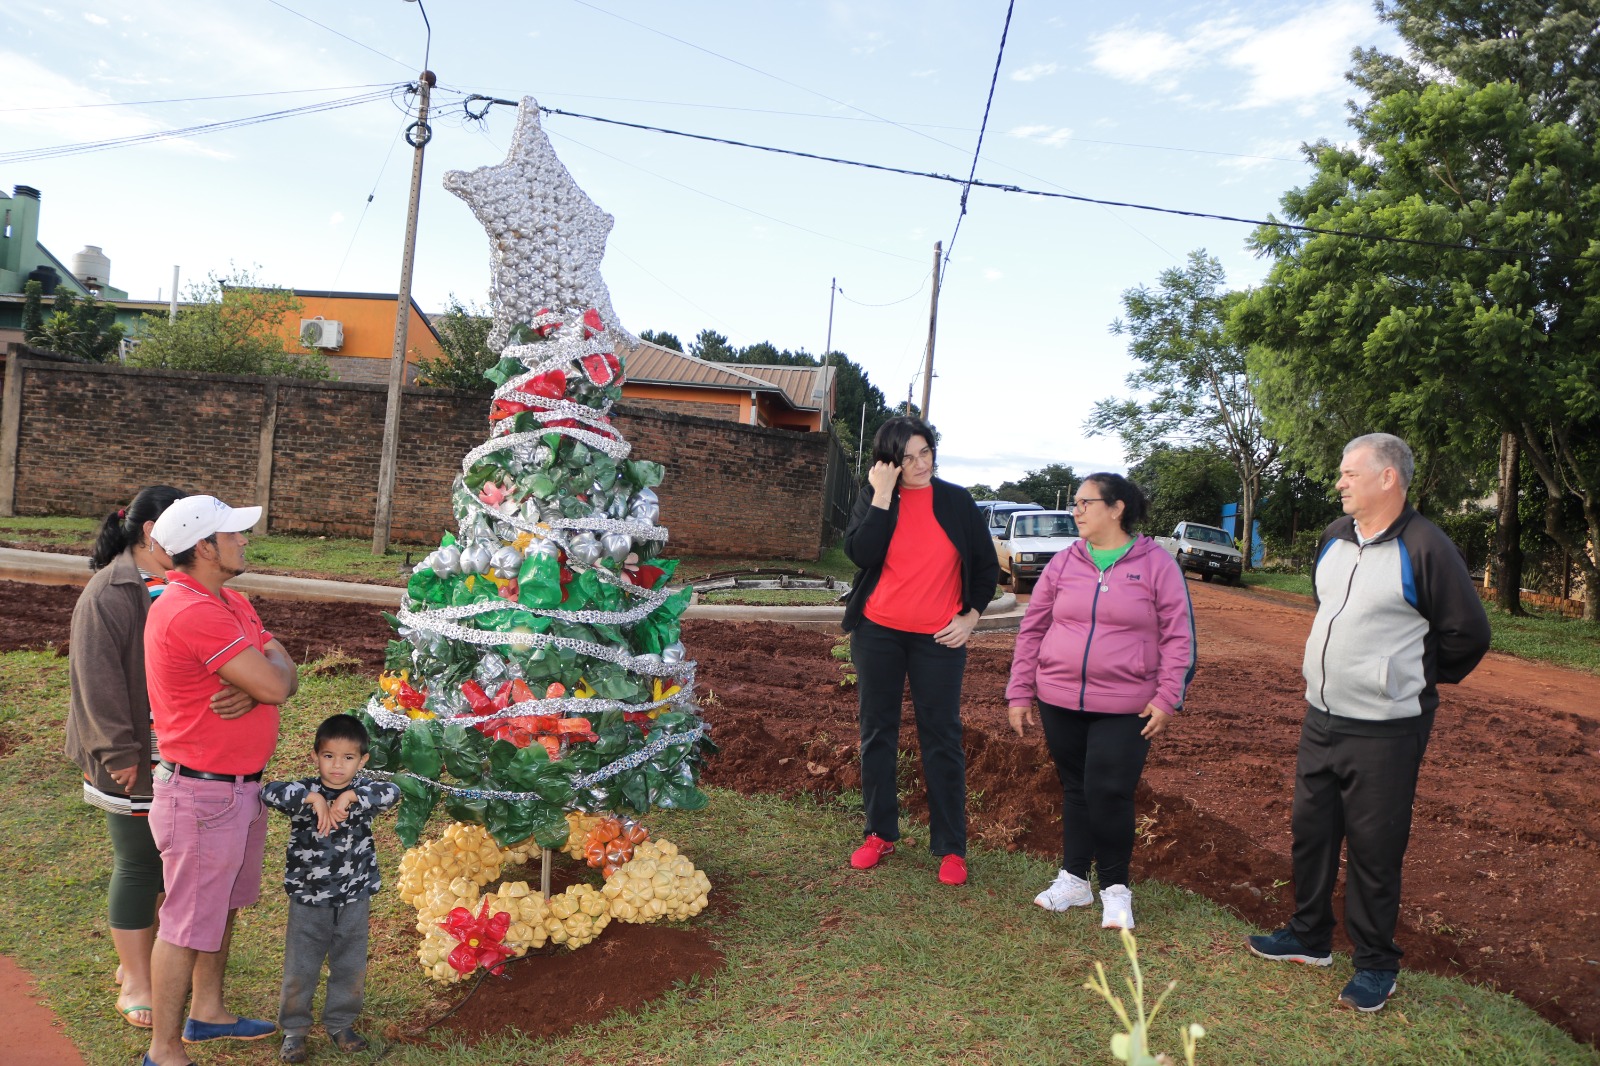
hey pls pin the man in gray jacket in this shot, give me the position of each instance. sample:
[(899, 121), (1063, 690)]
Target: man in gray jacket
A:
[(1397, 614)]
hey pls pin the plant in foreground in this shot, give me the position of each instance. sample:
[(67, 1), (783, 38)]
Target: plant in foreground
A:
[(1133, 1045)]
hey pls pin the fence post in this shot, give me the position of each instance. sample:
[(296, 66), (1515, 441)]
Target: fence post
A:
[(269, 429), (10, 430)]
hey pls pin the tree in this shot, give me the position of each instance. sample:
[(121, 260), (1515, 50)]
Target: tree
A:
[(464, 349), (1185, 485), (980, 491), (855, 394), (662, 338), (713, 346), (1193, 371), (232, 325), (84, 328), (32, 309), (1049, 487), (1490, 331)]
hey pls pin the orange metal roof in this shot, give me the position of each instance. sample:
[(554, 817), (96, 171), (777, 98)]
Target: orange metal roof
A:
[(800, 386)]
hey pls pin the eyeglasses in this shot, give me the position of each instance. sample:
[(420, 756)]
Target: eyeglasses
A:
[(909, 459), (1079, 505)]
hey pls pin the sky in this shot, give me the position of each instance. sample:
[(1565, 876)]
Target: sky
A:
[(1194, 107)]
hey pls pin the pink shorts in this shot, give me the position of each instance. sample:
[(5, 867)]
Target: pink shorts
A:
[(212, 836)]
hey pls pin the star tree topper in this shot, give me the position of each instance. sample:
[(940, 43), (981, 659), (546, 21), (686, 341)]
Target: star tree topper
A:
[(546, 236)]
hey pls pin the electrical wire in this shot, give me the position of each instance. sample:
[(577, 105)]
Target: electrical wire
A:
[(82, 148), (730, 203), (364, 207), (336, 33), (1384, 238), (193, 99), (977, 152), (891, 303)]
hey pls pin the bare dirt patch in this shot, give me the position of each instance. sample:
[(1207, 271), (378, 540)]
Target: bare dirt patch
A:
[(1503, 874)]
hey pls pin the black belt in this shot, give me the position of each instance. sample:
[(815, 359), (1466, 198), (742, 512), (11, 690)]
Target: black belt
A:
[(187, 771)]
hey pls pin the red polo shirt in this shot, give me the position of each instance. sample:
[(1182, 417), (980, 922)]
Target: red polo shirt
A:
[(189, 636), (919, 590)]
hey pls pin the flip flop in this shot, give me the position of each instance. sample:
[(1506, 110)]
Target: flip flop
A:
[(128, 1013)]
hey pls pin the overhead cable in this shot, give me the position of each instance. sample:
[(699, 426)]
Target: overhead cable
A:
[(336, 33), (1384, 238), (194, 99), (977, 152), (84, 147)]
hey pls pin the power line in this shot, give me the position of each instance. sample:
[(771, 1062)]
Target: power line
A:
[(730, 203), (84, 147), (1006, 187), (983, 126), (891, 303), (364, 207), (193, 99), (336, 33)]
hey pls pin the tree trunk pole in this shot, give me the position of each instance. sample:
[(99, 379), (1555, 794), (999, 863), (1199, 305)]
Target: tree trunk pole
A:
[(933, 329), (1508, 528), (402, 319)]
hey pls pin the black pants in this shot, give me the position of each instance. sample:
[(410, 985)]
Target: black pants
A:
[(1355, 791), (1099, 758), (884, 659)]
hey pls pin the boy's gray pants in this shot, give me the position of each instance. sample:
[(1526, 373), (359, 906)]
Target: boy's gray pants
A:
[(339, 935)]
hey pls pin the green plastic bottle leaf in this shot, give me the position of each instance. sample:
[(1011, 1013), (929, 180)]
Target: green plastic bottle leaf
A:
[(419, 750)]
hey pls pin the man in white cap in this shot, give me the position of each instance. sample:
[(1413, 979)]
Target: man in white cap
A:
[(206, 815)]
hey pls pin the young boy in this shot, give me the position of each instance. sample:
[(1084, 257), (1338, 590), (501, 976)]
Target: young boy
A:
[(330, 875)]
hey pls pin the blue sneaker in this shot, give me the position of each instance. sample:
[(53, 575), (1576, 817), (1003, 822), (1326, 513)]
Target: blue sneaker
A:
[(240, 1029), (1284, 946), (1368, 990)]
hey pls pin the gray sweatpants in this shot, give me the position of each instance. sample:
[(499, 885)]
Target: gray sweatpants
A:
[(339, 935)]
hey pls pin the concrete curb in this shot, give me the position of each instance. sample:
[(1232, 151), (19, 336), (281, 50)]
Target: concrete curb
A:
[(51, 568)]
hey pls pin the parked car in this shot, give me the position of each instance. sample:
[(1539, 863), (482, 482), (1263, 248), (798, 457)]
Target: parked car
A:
[(1030, 539), (1204, 550), (995, 513)]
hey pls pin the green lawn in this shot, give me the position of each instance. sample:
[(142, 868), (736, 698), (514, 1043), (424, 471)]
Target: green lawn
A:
[(351, 559), (823, 964), (1541, 636)]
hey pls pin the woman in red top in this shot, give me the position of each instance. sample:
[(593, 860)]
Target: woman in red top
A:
[(928, 570)]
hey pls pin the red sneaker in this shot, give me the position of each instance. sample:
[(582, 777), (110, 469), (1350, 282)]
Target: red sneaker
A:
[(872, 849), (953, 870)]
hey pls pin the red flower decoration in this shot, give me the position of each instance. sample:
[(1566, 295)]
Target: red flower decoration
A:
[(601, 369), (552, 385), (592, 323), (480, 937)]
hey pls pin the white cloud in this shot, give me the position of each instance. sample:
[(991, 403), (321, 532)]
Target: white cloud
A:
[(1034, 71), (930, 72), (991, 274), (1299, 61), (95, 20), (1049, 136), (336, 218)]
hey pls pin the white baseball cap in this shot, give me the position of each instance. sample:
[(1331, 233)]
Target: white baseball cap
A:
[(194, 518)]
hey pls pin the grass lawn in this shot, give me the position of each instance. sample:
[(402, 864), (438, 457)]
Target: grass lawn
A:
[(351, 559), (823, 964), (778, 597), (1296, 583), (1541, 636)]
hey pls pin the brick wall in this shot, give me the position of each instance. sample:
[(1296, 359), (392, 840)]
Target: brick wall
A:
[(89, 436)]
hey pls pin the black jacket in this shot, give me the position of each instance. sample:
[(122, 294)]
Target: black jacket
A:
[(866, 542)]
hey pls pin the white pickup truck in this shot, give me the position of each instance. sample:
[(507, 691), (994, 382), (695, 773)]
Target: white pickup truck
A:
[(1205, 550), (1029, 541)]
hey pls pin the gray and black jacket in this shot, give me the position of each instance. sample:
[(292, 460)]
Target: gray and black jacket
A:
[(1396, 617)]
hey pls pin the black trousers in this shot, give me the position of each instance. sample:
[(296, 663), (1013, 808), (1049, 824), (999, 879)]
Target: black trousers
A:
[(884, 660), (1353, 791), (1099, 758)]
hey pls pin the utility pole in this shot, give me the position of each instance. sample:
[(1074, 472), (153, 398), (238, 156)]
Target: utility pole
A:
[(933, 328), (417, 136), (833, 287), (861, 445), (172, 310)]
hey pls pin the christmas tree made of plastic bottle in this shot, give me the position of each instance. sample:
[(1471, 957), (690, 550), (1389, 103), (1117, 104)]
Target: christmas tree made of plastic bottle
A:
[(538, 668)]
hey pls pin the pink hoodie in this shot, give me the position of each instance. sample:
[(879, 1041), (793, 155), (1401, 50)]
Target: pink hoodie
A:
[(1109, 645)]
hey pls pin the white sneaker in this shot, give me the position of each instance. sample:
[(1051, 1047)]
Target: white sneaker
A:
[(1116, 905), (1065, 891)]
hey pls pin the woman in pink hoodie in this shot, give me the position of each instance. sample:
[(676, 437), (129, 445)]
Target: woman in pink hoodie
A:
[(1107, 650)]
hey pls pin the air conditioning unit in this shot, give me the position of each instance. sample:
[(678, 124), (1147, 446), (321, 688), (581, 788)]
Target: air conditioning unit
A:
[(321, 332)]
